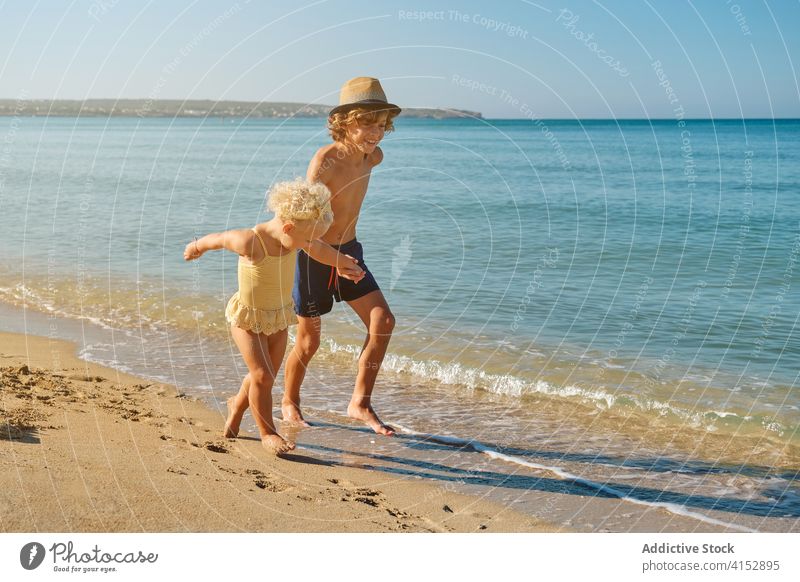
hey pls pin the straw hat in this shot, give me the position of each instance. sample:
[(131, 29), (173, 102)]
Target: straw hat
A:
[(363, 92)]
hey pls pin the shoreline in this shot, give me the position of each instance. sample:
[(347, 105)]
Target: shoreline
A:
[(413, 466), (618, 396), (89, 448)]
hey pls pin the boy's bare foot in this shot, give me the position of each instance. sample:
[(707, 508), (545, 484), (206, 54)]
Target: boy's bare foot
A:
[(367, 414), (232, 423), (276, 444), (292, 415)]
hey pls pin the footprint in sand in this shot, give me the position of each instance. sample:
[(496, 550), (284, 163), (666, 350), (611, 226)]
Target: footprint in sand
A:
[(215, 447), (398, 513), (368, 492), (85, 378), (274, 487), (263, 482), (374, 498)]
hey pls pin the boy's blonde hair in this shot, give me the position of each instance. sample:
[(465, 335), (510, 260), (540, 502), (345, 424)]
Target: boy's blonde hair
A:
[(300, 200), (338, 122)]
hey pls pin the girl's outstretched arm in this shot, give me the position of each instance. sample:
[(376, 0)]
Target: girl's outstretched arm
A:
[(241, 242), (347, 266)]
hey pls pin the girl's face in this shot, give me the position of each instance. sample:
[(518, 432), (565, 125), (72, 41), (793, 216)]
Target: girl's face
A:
[(366, 134), (297, 235)]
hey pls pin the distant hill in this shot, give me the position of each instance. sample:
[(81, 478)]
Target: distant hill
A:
[(178, 108)]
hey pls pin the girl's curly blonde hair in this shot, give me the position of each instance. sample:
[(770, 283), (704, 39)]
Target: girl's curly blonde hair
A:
[(300, 200), (338, 122)]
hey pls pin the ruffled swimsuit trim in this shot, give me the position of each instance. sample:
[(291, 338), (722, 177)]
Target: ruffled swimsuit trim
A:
[(257, 320)]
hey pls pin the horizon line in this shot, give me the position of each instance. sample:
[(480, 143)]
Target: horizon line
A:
[(643, 119), (2, 114), (482, 116)]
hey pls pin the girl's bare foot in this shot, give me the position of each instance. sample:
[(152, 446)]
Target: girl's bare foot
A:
[(276, 444), (367, 415), (292, 415), (232, 423)]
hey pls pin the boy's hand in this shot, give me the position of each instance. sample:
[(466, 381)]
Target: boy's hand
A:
[(351, 271), (192, 252)]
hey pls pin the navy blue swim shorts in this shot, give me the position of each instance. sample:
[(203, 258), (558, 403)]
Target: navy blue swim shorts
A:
[(317, 285)]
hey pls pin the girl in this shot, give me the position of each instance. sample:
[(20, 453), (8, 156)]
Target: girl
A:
[(260, 311)]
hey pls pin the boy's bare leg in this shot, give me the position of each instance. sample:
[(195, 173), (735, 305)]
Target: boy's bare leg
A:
[(255, 349), (306, 345), (379, 320)]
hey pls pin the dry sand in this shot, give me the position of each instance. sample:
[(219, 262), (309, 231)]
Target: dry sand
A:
[(85, 448)]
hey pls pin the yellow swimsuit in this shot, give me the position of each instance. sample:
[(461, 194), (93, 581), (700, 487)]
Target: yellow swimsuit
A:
[(263, 303)]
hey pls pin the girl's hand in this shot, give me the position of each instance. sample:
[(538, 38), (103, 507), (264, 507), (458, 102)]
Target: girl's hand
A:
[(351, 271), (192, 251)]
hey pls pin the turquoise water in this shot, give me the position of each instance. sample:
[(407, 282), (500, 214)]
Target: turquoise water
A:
[(614, 268), (612, 303)]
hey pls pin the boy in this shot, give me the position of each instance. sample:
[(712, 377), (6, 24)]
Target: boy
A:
[(357, 125)]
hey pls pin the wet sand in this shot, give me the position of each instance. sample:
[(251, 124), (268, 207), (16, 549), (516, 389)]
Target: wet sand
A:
[(85, 448)]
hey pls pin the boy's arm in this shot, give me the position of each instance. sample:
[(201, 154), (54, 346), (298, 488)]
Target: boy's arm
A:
[(238, 241), (347, 266), (315, 167), (321, 166), (376, 157)]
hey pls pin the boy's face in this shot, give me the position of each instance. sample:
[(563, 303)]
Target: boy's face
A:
[(368, 131)]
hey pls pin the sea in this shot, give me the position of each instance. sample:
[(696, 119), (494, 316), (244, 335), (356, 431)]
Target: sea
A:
[(586, 309)]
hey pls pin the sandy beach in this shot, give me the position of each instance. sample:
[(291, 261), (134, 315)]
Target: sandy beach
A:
[(87, 449)]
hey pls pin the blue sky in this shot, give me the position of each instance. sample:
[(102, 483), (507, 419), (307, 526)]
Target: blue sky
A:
[(505, 59)]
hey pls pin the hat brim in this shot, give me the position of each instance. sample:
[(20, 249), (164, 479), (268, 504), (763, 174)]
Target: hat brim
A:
[(371, 104)]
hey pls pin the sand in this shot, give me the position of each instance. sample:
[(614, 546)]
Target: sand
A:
[(85, 448)]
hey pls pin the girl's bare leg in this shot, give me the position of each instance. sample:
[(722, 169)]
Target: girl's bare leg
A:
[(237, 405), (255, 349)]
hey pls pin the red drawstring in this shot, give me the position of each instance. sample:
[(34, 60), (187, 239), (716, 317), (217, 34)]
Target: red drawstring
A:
[(333, 279)]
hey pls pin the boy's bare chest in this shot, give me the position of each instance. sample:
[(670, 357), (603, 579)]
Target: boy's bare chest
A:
[(349, 185)]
